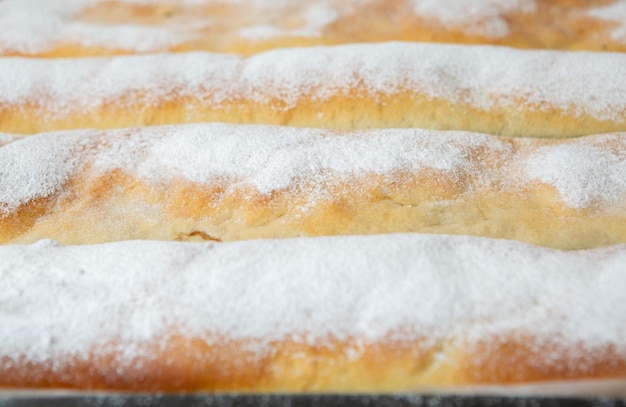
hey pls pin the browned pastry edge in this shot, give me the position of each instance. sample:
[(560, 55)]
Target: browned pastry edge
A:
[(356, 109), (118, 206), (188, 364)]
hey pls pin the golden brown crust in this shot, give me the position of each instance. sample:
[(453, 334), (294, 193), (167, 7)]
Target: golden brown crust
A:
[(408, 109), (118, 206), (190, 365)]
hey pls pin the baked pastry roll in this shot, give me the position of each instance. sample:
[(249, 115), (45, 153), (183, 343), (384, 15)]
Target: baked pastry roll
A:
[(373, 314), (488, 89), (232, 182), (105, 27)]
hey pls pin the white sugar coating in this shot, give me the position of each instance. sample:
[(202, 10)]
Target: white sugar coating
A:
[(28, 26), (126, 37), (315, 18), (584, 173), (487, 77), (478, 17), (32, 170), (269, 158), (272, 158), (6, 138), (261, 32), (619, 34), (64, 300), (31, 26), (70, 86), (615, 13)]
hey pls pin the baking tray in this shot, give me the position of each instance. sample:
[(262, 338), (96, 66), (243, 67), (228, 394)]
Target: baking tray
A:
[(286, 400)]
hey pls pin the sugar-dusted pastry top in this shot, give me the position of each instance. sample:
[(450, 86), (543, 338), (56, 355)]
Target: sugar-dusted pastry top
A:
[(6, 138), (381, 313), (106, 27), (496, 90), (230, 182)]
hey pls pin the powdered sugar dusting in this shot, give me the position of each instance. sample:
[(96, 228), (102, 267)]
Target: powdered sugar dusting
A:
[(585, 173), (6, 138), (68, 86), (315, 18), (478, 17), (486, 77), (64, 300), (32, 26), (615, 13), (269, 158), (273, 158), (29, 26), (36, 169), (125, 37)]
